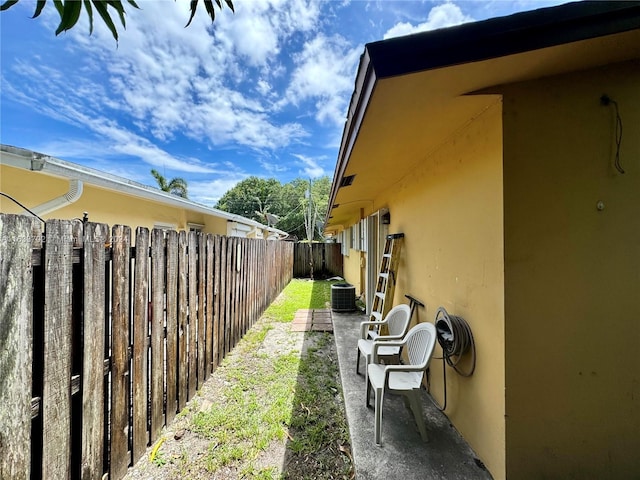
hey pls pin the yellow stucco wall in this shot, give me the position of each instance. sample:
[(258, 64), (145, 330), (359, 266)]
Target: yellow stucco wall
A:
[(33, 188), (351, 269), (572, 276), (450, 210)]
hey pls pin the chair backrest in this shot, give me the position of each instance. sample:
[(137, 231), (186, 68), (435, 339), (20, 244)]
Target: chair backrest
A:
[(419, 344), (398, 319)]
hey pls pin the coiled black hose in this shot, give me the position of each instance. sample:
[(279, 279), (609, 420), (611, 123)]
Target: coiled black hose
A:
[(455, 337)]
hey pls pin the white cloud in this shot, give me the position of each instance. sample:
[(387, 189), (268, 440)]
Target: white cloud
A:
[(324, 72), (440, 16), (209, 192), (169, 80), (311, 167), (66, 105)]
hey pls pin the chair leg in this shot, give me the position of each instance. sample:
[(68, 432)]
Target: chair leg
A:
[(368, 392), (358, 363), (416, 408), (379, 393), (367, 360)]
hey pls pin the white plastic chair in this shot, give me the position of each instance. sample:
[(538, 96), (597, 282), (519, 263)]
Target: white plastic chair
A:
[(403, 379), (397, 322)]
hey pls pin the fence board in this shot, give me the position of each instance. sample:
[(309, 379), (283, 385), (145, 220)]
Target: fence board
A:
[(158, 272), (217, 313), (224, 305), (119, 458), (202, 255), (182, 320), (56, 395), (235, 252), (192, 351), (172, 325), (99, 354), (139, 377), (246, 287), (243, 288), (209, 350), (228, 321), (16, 345), (325, 259), (93, 411)]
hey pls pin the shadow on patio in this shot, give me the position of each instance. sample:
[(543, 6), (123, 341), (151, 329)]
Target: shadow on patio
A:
[(403, 455)]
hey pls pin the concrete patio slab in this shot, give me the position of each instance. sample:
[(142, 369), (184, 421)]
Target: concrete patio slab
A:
[(403, 454)]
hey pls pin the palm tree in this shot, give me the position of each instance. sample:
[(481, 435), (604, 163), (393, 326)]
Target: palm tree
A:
[(176, 186)]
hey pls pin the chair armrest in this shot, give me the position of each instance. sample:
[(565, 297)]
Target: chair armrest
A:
[(363, 325), (405, 368), (388, 369), (385, 343)]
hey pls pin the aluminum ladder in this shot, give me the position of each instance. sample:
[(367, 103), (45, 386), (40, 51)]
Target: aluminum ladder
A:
[(386, 283)]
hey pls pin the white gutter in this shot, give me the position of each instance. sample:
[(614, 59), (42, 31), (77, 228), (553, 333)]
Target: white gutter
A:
[(73, 195), (29, 160)]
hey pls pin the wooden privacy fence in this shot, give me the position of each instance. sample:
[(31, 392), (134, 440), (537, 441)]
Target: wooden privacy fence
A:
[(317, 259), (102, 342)]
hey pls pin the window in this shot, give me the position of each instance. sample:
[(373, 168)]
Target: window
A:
[(195, 227), (358, 236), (165, 226), (345, 242)]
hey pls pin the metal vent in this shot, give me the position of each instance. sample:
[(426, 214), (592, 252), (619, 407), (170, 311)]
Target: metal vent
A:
[(346, 181)]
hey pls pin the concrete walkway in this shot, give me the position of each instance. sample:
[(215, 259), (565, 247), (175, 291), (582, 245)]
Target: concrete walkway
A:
[(403, 454)]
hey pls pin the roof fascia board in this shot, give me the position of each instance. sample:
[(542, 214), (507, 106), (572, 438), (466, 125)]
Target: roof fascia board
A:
[(502, 36), (365, 85), (29, 160)]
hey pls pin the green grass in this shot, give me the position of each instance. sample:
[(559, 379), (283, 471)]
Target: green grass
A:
[(273, 398), (300, 294)]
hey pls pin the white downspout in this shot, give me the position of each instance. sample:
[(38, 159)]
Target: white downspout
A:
[(73, 195)]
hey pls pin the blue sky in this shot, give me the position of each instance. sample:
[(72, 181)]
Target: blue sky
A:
[(260, 92)]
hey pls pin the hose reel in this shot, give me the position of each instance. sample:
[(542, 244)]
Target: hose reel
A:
[(455, 337)]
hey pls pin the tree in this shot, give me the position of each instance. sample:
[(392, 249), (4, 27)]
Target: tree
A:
[(253, 198), (283, 206), (69, 11), (176, 186)]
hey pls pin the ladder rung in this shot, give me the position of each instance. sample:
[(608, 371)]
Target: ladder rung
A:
[(384, 275), (376, 315), (386, 255), (380, 295)]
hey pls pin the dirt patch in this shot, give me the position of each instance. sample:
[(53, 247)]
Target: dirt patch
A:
[(181, 453)]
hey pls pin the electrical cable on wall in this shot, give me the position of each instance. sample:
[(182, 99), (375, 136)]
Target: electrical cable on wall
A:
[(456, 339), (21, 205), (606, 100)]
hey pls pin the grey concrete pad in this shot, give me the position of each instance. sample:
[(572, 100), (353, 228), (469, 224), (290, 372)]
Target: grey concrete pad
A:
[(403, 454)]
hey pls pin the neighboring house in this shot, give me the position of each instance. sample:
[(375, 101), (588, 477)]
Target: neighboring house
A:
[(491, 147), (54, 188)]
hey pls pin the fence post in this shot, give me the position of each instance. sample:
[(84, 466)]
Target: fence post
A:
[(173, 325), (139, 361), (93, 407), (120, 340), (16, 344), (182, 371), (56, 394), (158, 271)]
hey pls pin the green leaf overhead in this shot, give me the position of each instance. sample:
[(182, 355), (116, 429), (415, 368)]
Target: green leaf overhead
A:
[(70, 15), (8, 4), (70, 11)]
